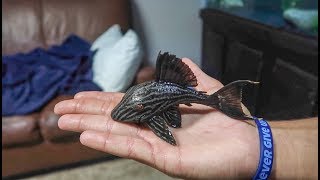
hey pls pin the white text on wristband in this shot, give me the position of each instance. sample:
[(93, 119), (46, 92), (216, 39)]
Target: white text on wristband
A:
[(266, 150)]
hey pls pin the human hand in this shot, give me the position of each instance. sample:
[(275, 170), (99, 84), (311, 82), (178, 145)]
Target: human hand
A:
[(209, 144)]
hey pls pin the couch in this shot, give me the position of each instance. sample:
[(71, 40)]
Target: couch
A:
[(33, 142)]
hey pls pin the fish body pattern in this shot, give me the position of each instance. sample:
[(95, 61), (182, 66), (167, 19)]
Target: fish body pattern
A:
[(155, 103)]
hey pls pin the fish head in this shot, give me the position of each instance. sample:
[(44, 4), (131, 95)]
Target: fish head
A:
[(132, 106)]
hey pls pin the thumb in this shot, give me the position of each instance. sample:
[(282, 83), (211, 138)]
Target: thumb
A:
[(205, 82)]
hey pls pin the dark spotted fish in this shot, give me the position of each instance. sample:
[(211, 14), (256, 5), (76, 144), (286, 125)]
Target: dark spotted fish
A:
[(156, 103)]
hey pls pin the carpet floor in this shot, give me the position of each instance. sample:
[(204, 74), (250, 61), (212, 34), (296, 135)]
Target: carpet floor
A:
[(121, 169)]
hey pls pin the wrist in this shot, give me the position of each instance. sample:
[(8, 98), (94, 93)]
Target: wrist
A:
[(288, 159), (253, 152), (296, 152)]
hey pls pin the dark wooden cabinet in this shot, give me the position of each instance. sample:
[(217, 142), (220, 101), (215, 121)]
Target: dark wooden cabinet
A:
[(285, 64)]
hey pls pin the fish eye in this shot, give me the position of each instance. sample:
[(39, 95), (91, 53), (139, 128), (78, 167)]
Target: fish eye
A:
[(138, 107)]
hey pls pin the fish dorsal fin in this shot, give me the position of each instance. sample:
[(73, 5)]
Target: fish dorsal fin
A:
[(159, 127), (172, 69), (173, 117)]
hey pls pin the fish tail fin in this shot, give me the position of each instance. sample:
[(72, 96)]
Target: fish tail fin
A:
[(229, 100)]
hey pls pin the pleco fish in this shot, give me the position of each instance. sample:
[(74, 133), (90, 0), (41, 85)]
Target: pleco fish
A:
[(156, 103)]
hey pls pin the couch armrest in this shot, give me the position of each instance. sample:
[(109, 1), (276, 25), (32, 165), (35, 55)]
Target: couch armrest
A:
[(145, 74), (49, 123), (20, 130)]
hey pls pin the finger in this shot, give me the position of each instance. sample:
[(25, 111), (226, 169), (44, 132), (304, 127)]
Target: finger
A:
[(84, 122), (205, 82), (122, 146), (87, 106), (98, 95)]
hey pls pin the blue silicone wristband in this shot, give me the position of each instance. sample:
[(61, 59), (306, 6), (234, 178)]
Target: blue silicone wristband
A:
[(266, 150)]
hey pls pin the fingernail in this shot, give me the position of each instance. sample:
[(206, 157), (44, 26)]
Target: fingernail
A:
[(90, 138), (78, 95), (57, 108)]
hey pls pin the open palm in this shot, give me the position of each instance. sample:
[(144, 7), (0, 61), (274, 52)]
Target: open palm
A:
[(209, 144)]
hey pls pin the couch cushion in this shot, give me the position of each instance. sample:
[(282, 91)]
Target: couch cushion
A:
[(46, 156), (49, 123), (21, 28), (20, 130), (88, 19)]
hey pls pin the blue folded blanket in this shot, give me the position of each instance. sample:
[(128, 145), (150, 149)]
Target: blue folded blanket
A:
[(30, 80)]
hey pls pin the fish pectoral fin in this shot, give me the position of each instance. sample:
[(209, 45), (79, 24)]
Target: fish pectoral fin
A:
[(188, 104), (173, 117), (159, 127)]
